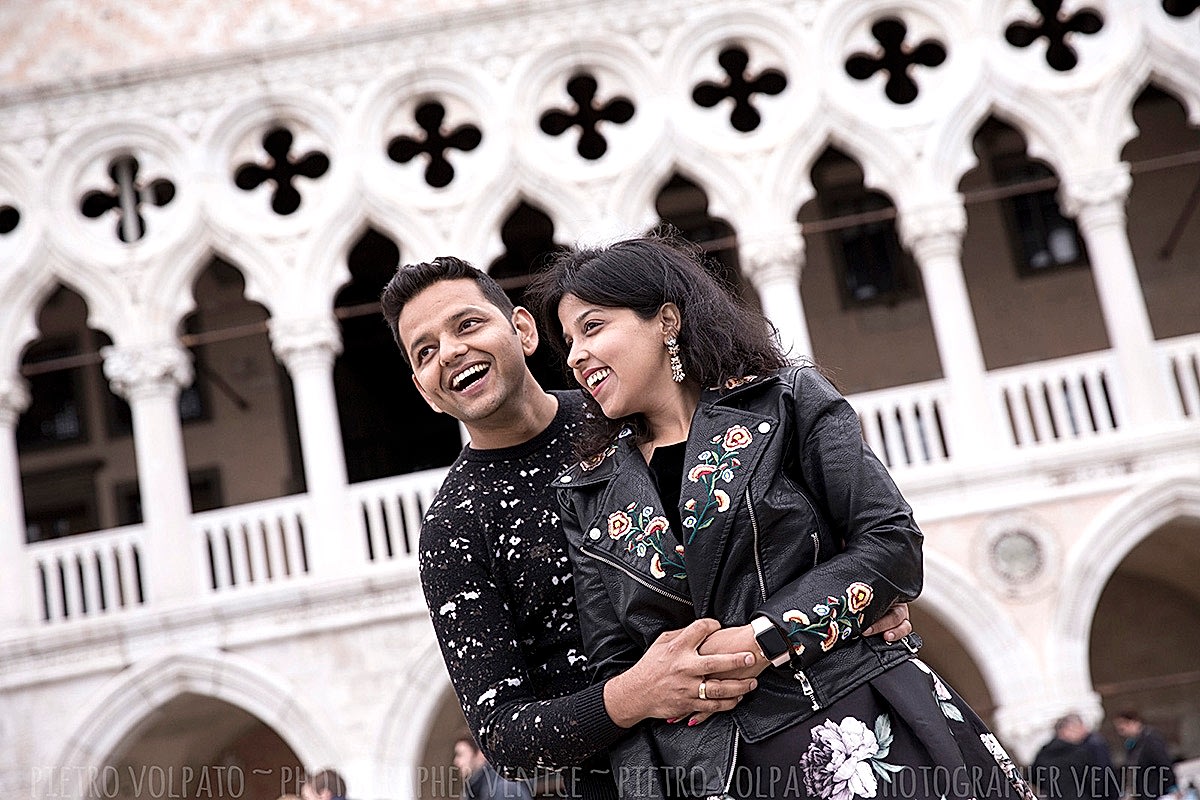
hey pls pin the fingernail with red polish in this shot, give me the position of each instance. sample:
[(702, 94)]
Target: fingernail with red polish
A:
[(693, 721), (673, 720)]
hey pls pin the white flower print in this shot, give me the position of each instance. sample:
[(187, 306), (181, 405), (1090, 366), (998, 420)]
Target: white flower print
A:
[(941, 693), (844, 759), (1006, 764)]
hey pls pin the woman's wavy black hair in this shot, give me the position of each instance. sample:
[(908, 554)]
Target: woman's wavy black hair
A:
[(720, 336)]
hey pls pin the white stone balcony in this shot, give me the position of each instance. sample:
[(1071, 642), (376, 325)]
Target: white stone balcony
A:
[(1060, 420)]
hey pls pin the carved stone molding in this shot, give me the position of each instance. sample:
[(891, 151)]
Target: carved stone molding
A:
[(14, 399), (1097, 198), (306, 342), (145, 371), (774, 257), (934, 231)]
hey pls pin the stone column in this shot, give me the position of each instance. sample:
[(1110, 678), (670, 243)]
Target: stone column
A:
[(307, 346), (149, 377), (1097, 201), (934, 235), (772, 262), (19, 605)]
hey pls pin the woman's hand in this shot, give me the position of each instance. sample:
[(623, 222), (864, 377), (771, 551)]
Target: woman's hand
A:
[(665, 682), (894, 625)]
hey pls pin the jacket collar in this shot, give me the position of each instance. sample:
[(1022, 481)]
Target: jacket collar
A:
[(724, 446)]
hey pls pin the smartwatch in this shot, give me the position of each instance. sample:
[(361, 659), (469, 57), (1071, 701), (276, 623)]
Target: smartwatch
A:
[(771, 644)]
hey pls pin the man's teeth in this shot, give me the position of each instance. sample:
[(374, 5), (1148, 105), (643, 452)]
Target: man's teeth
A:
[(596, 377), (466, 374)]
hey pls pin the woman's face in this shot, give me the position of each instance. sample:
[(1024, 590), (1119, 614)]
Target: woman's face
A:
[(617, 356)]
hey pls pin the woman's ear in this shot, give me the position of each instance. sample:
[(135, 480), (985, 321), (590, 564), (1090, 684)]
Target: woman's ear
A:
[(672, 321)]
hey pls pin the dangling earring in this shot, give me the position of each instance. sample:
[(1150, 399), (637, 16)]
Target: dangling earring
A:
[(677, 373)]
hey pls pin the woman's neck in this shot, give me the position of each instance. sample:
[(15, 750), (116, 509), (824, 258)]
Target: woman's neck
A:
[(670, 423)]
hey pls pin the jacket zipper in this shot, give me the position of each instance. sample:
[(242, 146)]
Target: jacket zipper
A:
[(807, 688), (614, 563), (732, 763), (816, 547), (762, 582), (805, 685)]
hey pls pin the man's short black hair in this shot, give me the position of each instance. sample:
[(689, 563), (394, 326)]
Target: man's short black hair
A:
[(468, 740), (411, 279)]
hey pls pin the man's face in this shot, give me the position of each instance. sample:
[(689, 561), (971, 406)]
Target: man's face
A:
[(1127, 728), (1075, 731), (468, 358), (466, 758)]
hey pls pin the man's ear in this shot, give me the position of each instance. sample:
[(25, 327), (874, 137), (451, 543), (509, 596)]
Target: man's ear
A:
[(421, 389), (526, 328), (671, 319)]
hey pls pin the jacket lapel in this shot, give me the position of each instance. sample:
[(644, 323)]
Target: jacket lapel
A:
[(630, 526), (723, 451)]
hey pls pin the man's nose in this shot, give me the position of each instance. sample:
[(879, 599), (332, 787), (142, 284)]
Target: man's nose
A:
[(450, 349)]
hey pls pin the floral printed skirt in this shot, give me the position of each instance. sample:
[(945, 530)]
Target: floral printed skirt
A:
[(904, 734)]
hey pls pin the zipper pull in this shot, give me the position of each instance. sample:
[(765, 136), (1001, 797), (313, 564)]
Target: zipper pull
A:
[(807, 688)]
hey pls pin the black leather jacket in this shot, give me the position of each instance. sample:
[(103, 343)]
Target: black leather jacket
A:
[(786, 513)]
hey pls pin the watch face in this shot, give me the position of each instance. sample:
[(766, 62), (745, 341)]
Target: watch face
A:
[(772, 642)]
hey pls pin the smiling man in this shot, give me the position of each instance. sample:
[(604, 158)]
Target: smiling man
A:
[(493, 557)]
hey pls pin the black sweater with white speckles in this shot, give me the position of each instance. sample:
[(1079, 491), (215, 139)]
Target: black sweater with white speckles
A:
[(498, 583)]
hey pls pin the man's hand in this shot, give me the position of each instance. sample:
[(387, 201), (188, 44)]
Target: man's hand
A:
[(665, 682), (894, 625)]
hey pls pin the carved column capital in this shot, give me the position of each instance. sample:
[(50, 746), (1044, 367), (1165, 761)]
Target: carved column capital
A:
[(1098, 197), (147, 370), (772, 257), (14, 399), (301, 342), (933, 231)]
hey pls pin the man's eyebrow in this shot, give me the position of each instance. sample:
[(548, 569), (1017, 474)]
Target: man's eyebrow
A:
[(425, 336)]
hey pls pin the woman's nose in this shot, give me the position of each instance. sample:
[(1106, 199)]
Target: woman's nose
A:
[(575, 356)]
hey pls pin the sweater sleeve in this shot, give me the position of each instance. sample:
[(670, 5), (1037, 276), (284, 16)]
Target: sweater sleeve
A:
[(477, 634)]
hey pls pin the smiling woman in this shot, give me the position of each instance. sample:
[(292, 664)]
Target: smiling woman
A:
[(718, 481)]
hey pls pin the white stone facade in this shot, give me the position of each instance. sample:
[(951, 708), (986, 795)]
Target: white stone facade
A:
[(331, 651)]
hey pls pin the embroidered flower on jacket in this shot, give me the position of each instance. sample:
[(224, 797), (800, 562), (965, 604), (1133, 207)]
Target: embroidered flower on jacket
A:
[(645, 535), (844, 760), (590, 463), (858, 595), (619, 524), (733, 383), (837, 619), (737, 437), (718, 463), (796, 618)]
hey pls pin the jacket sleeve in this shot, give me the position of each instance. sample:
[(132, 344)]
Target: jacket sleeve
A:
[(478, 637), (880, 561)]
